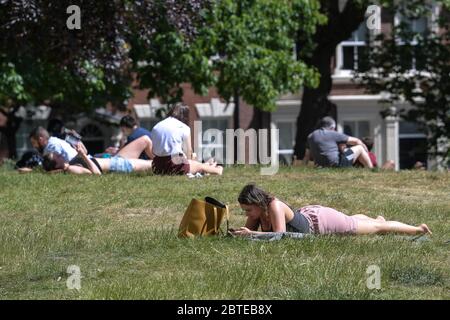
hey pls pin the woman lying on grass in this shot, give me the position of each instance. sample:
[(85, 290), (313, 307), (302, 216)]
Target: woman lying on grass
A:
[(125, 161), (273, 215)]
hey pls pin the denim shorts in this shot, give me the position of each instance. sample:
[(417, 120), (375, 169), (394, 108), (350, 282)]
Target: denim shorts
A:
[(346, 158), (121, 165)]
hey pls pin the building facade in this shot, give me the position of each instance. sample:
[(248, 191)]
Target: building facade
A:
[(358, 114)]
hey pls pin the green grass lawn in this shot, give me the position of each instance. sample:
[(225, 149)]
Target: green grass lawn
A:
[(121, 231)]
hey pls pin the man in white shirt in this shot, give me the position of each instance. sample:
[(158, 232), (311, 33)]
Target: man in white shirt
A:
[(42, 142)]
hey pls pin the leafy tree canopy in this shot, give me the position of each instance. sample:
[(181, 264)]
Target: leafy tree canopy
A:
[(414, 66), (245, 47), (41, 60)]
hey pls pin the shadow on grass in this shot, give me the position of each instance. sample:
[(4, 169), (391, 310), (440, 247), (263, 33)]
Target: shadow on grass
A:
[(416, 276)]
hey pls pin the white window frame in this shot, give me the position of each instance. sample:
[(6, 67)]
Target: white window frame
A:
[(340, 57), (431, 19), (150, 110), (417, 135), (287, 152), (348, 73), (431, 25), (356, 120)]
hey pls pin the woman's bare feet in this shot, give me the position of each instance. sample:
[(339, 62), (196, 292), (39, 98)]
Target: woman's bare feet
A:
[(424, 229), (381, 218)]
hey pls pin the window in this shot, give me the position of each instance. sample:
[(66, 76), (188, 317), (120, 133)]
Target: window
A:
[(419, 27), (214, 115), (215, 123), (413, 145), (23, 143), (358, 129), (287, 131), (349, 52), (93, 138), (147, 113)]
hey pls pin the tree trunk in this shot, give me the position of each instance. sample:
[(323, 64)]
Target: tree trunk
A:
[(315, 102), (236, 123), (236, 118), (260, 119), (10, 131)]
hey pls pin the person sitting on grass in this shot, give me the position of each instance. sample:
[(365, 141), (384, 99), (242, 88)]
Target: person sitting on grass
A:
[(388, 165), (126, 161), (272, 215), (173, 149), (324, 144), (130, 128)]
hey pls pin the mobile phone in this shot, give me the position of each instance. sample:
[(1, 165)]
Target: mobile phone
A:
[(72, 137)]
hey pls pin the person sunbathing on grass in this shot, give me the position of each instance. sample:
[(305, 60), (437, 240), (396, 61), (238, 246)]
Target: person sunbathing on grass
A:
[(272, 215), (125, 161), (172, 146)]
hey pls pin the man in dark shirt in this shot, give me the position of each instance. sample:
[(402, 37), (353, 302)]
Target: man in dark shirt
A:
[(324, 144), (129, 127)]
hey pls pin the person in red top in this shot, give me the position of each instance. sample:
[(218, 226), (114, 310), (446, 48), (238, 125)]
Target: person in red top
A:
[(368, 141), (369, 144)]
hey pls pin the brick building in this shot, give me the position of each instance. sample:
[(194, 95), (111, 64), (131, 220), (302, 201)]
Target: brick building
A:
[(359, 114)]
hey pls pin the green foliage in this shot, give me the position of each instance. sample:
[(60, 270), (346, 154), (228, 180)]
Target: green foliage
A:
[(27, 80), (246, 47), (414, 67), (161, 64), (243, 47), (11, 83), (254, 41), (42, 61)]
